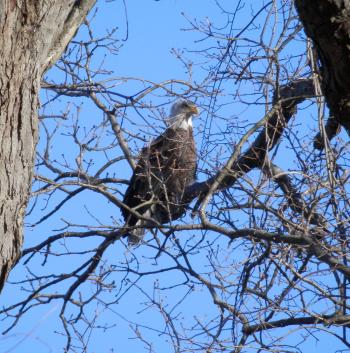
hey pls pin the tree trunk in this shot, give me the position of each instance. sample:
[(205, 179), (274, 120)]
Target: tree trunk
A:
[(327, 23), (33, 34)]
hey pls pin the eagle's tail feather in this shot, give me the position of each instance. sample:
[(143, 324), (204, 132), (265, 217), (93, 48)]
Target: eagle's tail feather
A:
[(136, 235)]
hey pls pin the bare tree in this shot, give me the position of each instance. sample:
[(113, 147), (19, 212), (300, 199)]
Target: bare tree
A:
[(327, 24), (263, 241), (30, 45)]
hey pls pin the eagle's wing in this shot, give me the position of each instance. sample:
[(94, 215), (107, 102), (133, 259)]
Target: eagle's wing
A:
[(139, 189)]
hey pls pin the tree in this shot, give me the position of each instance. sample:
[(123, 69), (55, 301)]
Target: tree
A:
[(264, 243), (327, 24), (31, 44)]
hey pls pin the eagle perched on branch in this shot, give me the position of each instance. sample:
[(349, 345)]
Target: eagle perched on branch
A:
[(164, 169)]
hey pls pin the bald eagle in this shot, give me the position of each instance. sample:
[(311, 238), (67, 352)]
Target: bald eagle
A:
[(164, 169)]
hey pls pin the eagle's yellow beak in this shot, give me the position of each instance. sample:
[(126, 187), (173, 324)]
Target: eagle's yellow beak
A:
[(194, 109)]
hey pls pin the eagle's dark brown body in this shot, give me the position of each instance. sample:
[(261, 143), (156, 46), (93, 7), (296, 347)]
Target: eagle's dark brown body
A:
[(163, 171)]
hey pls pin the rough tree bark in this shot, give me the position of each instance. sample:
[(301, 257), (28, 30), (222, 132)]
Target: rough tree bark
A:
[(327, 23), (33, 35)]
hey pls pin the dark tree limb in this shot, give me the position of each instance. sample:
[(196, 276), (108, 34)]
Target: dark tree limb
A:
[(286, 102), (332, 129), (294, 198), (334, 319)]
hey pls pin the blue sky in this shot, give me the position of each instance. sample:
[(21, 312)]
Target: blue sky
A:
[(153, 29)]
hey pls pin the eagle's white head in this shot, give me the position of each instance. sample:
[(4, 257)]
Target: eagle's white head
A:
[(181, 114)]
